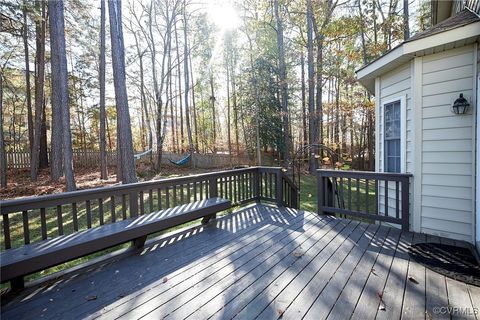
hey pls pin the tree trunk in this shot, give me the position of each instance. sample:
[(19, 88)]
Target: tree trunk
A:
[(214, 116), (185, 62), (124, 130), (229, 134), (283, 85), (304, 103), (60, 85), (194, 107), (187, 83), (406, 26), (312, 163), (103, 154), (39, 87), (3, 155), (43, 161), (27, 78)]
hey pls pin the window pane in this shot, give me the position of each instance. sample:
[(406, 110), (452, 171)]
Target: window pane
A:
[(392, 132)]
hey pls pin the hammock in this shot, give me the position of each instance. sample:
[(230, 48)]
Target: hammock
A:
[(139, 156), (182, 161)]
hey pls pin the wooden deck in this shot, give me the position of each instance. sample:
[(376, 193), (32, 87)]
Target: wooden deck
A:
[(260, 262)]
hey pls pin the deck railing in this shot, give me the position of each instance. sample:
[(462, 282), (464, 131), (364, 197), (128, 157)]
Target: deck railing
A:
[(34, 219), (373, 196)]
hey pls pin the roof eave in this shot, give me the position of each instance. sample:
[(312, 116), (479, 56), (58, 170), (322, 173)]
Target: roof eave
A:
[(407, 50)]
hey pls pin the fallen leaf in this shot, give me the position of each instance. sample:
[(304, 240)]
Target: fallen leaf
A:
[(121, 295), (280, 312), (412, 279), (298, 254), (90, 298), (381, 306), (373, 271), (165, 280)]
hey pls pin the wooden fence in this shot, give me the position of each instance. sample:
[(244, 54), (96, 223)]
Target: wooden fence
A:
[(30, 220), (91, 159)]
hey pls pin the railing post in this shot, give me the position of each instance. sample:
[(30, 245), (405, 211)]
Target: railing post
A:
[(133, 204), (320, 192), (256, 184), (405, 204), (212, 193), (279, 188)]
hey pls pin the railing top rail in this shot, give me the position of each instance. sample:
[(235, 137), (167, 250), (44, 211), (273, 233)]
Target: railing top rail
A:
[(16, 205), (362, 174)]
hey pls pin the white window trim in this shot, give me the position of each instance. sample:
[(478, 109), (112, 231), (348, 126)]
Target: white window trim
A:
[(403, 131)]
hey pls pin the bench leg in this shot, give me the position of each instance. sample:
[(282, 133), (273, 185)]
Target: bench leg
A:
[(206, 219), (139, 242), (17, 284)]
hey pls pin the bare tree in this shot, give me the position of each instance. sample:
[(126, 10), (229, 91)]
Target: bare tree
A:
[(311, 85), (27, 77), (124, 130), (283, 84), (60, 101), (40, 26), (187, 83), (3, 158), (103, 155)]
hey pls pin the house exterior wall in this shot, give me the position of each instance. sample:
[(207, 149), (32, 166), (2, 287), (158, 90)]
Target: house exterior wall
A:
[(392, 86), (446, 144), (439, 147)]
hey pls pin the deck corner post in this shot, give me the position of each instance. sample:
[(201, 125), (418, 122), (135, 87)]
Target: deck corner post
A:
[(212, 193), (279, 188), (133, 204), (256, 184), (320, 192)]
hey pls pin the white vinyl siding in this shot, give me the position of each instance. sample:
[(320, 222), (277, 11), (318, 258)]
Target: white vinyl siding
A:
[(447, 153), (395, 86)]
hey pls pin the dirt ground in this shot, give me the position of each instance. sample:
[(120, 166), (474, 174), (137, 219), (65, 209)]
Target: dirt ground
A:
[(19, 184)]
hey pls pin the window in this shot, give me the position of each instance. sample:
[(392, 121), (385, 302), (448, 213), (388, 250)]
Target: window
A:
[(393, 135)]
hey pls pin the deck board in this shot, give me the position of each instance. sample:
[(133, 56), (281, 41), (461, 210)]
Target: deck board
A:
[(261, 262)]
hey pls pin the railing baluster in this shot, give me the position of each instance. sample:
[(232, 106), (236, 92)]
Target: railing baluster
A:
[(124, 206), (59, 220), (142, 203), (100, 210), (167, 197), (26, 230), (113, 215), (182, 199), (6, 231), (159, 196), (43, 223), (150, 200), (230, 191), (386, 197), (89, 214), (189, 197), (358, 194), (194, 191), (376, 197), (201, 190), (397, 199), (349, 193), (405, 204), (367, 198)]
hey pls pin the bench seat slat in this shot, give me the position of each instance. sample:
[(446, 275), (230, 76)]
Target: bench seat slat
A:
[(34, 257)]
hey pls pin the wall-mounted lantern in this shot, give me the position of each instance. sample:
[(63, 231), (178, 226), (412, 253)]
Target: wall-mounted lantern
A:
[(460, 106)]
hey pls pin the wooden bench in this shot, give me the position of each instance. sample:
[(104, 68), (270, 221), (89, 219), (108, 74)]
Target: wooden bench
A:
[(18, 262)]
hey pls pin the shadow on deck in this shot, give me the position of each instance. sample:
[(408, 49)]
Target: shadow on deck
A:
[(259, 262)]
